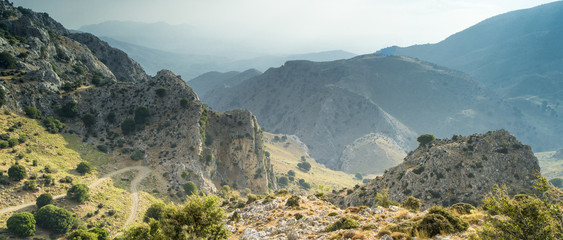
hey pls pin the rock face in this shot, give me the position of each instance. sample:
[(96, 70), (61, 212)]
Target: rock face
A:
[(447, 171), (55, 69)]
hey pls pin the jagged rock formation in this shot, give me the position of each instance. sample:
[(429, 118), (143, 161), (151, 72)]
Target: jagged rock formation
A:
[(447, 171), (55, 69), (332, 106)]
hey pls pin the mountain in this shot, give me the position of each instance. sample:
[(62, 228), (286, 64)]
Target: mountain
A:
[(448, 171), (211, 80), (107, 99), (516, 54), (370, 102)]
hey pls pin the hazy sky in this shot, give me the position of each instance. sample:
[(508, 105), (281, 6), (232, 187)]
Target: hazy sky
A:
[(295, 26)]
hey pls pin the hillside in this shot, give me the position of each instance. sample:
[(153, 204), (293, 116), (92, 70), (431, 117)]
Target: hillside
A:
[(516, 54), (211, 80), (448, 171), (365, 112)]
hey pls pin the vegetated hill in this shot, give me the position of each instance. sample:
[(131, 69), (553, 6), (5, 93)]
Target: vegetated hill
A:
[(159, 120), (517, 54), (360, 114), (208, 81), (448, 171), (551, 163)]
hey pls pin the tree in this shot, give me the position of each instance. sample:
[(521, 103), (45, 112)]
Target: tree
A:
[(291, 173), (79, 193), (155, 211), (82, 235), (142, 115), (54, 219), (425, 139), (17, 172), (44, 199), (102, 233), (110, 117), (2, 97), (53, 125), (69, 110), (128, 126), (305, 166), (190, 188), (84, 167), (283, 181), (89, 120), (184, 102), (161, 92), (32, 112), (359, 176), (21, 224), (7, 61)]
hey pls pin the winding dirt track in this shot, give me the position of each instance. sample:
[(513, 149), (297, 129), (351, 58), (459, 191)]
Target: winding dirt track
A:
[(142, 173)]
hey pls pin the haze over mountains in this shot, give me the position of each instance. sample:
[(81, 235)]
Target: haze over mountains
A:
[(190, 51)]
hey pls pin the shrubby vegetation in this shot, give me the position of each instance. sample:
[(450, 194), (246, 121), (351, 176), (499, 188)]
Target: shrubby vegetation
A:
[(142, 115), (69, 110), (425, 139), (190, 188), (79, 193), (32, 112), (161, 92), (411, 203), (7, 61), (343, 223), (21, 224), (128, 126), (43, 200), (54, 219), (155, 211), (305, 166), (53, 125), (17, 172), (200, 218), (84, 167)]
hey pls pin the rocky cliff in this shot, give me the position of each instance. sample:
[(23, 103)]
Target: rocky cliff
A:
[(447, 171), (94, 89)]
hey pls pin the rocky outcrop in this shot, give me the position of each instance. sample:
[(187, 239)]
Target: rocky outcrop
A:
[(180, 138), (447, 171)]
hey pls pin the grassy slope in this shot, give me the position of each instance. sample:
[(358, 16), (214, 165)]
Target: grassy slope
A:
[(550, 166), (63, 152), (286, 156)]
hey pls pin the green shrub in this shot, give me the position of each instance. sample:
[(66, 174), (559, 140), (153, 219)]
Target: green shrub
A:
[(359, 176), (89, 120), (53, 125), (4, 144), (32, 112), (457, 223), (30, 185), (54, 219), (190, 188), (79, 193), (184, 102), (383, 199), (343, 223), (425, 139), (44, 199), (17, 172), (305, 166), (128, 126), (103, 148), (102, 233), (2, 97), (142, 115), (200, 218), (7, 61), (304, 184), (82, 235), (84, 167), (12, 142), (411, 203), (111, 117), (293, 201), (22, 138), (250, 198), (155, 211), (161, 92), (434, 224), (463, 208), (21, 224), (291, 173), (137, 155), (521, 217), (69, 110), (283, 181)]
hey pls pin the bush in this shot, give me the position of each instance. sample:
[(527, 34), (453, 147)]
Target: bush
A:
[(137, 155), (69, 110), (343, 223), (293, 201), (21, 224), (111, 117), (17, 172), (4, 144), (523, 217), (30, 185), (7, 60), (457, 223), (411, 203), (44, 199), (434, 224), (2, 97), (53, 125), (79, 193), (283, 181), (82, 235), (184, 102), (304, 184), (32, 112), (89, 120), (190, 188), (305, 166), (155, 211), (359, 176), (128, 126), (462, 208), (12, 142), (54, 219), (200, 218), (383, 199), (425, 139), (84, 167), (291, 173), (142, 115), (102, 233), (161, 92)]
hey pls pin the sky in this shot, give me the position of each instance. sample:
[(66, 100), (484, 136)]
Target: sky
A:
[(295, 26)]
